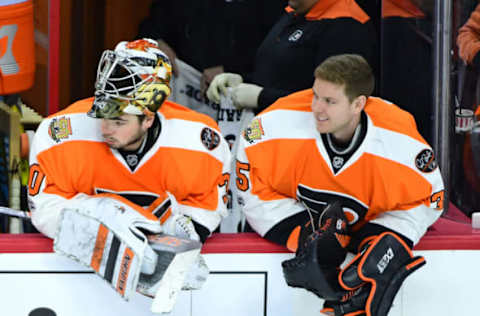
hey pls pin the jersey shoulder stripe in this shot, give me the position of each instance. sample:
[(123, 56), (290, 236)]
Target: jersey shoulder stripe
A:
[(280, 125), (59, 129), (193, 135), (172, 110), (404, 150), (387, 115), (298, 101)]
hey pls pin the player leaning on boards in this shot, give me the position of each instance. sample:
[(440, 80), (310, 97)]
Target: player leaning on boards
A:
[(135, 164), (331, 170)]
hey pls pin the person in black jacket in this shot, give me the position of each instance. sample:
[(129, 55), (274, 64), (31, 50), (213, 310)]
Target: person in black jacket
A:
[(212, 36), (308, 33)]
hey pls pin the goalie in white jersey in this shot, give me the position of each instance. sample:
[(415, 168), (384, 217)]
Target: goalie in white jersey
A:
[(331, 169), (136, 163)]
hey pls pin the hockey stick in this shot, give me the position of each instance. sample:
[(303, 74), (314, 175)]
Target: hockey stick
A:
[(15, 213)]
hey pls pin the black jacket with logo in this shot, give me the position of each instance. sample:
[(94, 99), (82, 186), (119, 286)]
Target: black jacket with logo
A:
[(296, 45)]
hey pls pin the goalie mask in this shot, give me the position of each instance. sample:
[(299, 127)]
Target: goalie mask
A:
[(132, 79)]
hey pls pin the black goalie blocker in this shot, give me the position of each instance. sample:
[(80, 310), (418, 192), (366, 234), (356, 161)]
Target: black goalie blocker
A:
[(374, 277)]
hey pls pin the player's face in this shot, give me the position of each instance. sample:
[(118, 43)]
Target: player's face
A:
[(333, 111), (125, 132)]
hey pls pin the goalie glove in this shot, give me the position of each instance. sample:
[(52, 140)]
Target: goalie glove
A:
[(109, 236), (315, 266), (182, 226)]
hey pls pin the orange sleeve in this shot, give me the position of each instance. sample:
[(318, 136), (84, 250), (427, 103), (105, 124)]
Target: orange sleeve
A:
[(468, 40)]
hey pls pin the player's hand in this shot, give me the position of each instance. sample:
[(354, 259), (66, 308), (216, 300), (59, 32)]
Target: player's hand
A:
[(180, 226), (164, 47), (207, 77), (220, 84), (245, 95)]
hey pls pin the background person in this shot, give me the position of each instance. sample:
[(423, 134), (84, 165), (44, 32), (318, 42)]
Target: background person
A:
[(212, 36), (308, 33)]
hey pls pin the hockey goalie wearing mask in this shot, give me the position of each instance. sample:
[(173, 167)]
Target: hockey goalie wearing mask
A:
[(332, 170), (109, 172)]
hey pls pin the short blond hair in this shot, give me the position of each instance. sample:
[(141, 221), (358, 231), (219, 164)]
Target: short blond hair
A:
[(350, 70)]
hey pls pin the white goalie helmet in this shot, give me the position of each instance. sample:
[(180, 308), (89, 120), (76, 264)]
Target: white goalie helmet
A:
[(132, 79)]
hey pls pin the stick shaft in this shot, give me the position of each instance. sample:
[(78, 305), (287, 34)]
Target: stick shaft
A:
[(15, 213)]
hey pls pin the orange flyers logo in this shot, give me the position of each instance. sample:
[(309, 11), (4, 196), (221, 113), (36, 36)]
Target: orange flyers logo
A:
[(254, 131), (140, 45), (60, 128)]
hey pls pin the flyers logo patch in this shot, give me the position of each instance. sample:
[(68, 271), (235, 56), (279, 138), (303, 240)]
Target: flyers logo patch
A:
[(425, 161), (60, 128), (210, 139), (254, 131)]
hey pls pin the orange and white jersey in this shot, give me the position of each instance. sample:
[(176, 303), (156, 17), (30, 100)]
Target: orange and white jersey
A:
[(69, 160), (391, 179)]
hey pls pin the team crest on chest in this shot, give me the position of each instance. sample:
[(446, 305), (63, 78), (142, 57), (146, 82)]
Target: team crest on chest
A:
[(254, 131), (60, 128), (210, 139)]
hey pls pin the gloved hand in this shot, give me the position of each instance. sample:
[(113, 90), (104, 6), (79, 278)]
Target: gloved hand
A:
[(207, 77), (180, 226), (177, 224), (245, 95), (220, 84)]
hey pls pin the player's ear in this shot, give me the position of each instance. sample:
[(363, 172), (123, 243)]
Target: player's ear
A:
[(359, 103), (147, 121)]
